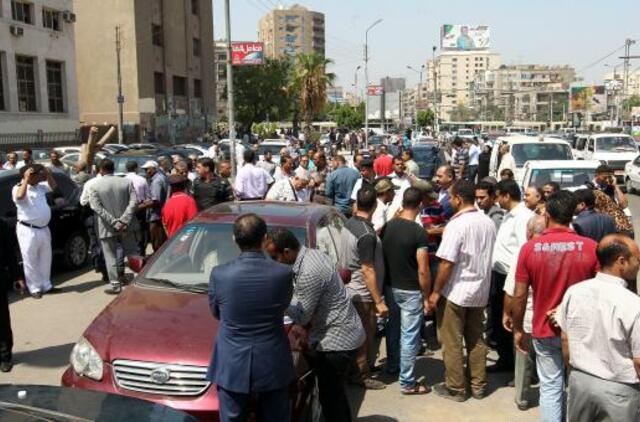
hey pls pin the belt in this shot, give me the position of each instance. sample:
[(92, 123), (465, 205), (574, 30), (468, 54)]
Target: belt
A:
[(31, 225)]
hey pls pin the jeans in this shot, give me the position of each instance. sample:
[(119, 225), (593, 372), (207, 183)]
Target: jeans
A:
[(551, 374), (410, 312), (332, 369)]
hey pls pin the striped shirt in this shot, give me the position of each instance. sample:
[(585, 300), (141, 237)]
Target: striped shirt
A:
[(320, 298), (468, 241)]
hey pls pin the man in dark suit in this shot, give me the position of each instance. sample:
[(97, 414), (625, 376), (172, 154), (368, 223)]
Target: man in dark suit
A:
[(589, 222), (251, 358)]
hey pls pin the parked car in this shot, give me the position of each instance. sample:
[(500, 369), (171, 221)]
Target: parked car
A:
[(39, 155), (580, 145), (427, 156), (68, 149), (632, 175), (273, 145), (72, 158), (155, 340), (614, 149), (568, 174), (70, 241), (115, 148)]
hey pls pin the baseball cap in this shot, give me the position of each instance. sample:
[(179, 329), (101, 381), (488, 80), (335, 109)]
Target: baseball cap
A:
[(383, 185), (425, 187), (149, 164)]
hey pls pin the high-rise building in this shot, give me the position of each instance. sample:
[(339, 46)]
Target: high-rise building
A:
[(451, 74), (37, 67), (291, 31), (220, 72), (166, 62)]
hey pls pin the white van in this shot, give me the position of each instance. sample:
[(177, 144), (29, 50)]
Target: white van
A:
[(614, 149), (528, 148)]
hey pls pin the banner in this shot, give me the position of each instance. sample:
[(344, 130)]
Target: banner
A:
[(465, 37), (591, 99), (374, 90), (247, 53)]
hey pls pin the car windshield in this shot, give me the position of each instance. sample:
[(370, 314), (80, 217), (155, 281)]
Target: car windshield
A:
[(465, 132), (540, 151), (423, 155), (120, 162), (616, 144), (192, 253), (275, 149), (566, 178)]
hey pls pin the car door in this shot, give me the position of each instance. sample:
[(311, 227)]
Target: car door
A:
[(590, 151), (634, 172)]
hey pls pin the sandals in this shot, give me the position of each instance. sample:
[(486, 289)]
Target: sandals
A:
[(416, 390)]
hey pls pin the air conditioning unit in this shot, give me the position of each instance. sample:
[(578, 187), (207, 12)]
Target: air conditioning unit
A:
[(16, 31), (68, 16)]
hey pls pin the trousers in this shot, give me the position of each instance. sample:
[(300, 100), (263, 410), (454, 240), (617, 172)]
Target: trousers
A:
[(271, 406), (6, 335), (366, 355), (110, 246), (595, 399), (551, 373), (35, 246), (502, 337), (524, 369), (456, 323), (332, 369)]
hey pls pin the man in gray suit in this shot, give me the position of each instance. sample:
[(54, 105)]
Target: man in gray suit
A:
[(114, 201)]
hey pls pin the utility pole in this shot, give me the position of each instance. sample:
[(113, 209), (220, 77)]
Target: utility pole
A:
[(366, 82), (435, 91), (120, 98), (232, 126), (627, 65)]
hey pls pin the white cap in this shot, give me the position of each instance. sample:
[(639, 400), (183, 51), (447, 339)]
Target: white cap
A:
[(150, 164)]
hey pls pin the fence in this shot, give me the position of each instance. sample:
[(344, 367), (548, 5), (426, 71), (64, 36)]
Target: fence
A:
[(15, 141)]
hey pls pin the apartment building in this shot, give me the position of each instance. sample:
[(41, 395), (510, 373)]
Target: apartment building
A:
[(166, 64), (287, 32), (37, 67), (220, 72)]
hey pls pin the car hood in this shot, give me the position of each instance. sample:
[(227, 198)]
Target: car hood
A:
[(155, 325), (615, 156)]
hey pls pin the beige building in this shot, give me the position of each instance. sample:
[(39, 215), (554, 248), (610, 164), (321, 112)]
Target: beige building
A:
[(289, 32), (525, 92), (166, 62), (37, 67), (452, 73), (220, 72)]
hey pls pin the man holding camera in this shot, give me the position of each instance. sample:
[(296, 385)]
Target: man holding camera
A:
[(32, 229)]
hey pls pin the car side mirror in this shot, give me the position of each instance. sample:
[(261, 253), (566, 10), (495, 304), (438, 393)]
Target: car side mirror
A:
[(136, 263)]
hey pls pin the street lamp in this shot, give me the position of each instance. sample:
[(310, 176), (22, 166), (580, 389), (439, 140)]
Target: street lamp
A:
[(366, 77), (355, 82), (418, 97), (616, 93)]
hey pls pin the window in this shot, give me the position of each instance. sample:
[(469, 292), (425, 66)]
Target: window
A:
[(156, 35), (26, 79), (196, 47), (222, 57), (158, 82), (195, 7), (197, 88), (21, 11), (179, 86), (54, 87), (2, 106), (51, 19)]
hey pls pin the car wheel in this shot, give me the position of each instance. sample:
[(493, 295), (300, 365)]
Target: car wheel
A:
[(76, 250), (629, 186)]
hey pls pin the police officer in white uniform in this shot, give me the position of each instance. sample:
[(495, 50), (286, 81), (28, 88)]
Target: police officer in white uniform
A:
[(32, 227)]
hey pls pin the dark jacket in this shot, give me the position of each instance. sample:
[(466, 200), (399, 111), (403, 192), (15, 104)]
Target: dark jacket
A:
[(249, 296), (594, 225)]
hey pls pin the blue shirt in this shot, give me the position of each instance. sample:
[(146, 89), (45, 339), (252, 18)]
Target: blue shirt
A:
[(339, 186), (158, 185)]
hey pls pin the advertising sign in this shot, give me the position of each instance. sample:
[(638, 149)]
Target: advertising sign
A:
[(591, 99), (374, 90), (465, 37), (247, 53)]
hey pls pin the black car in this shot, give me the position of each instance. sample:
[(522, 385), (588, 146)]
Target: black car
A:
[(70, 241), (427, 156)]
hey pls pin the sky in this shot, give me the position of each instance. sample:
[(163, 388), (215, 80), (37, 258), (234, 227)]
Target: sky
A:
[(580, 33)]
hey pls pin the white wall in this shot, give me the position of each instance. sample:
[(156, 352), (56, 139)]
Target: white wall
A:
[(43, 44)]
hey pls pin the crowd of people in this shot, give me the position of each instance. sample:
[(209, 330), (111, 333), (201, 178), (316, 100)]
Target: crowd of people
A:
[(547, 270)]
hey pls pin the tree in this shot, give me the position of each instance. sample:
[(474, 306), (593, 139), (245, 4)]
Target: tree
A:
[(426, 118), (309, 80), (261, 92), (462, 113), (349, 117), (632, 101)]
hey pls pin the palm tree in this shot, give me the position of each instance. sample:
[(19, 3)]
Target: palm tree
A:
[(309, 81)]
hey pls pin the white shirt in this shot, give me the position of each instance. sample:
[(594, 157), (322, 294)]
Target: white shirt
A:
[(239, 155), (20, 164), (301, 171), (283, 190), (356, 188), (467, 241), (510, 238), (601, 318), (140, 186), (252, 182), (510, 289), (9, 166), (474, 155), (33, 207), (402, 182), (379, 217), (507, 162)]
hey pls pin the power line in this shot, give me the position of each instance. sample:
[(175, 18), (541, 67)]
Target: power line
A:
[(258, 6), (601, 59)]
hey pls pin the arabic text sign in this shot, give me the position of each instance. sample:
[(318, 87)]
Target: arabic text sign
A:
[(247, 53)]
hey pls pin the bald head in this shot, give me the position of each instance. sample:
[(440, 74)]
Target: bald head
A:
[(535, 226), (619, 255)]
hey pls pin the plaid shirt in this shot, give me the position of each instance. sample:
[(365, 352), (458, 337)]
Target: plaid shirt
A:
[(320, 298)]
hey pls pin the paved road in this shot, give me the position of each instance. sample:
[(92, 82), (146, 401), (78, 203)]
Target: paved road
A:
[(45, 331)]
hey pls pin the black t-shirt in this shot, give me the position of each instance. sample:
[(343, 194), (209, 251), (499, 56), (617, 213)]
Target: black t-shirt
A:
[(208, 194), (401, 239)]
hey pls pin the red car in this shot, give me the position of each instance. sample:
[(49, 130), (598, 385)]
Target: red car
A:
[(154, 341)]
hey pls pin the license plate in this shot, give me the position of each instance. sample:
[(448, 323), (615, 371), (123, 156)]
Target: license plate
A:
[(619, 172)]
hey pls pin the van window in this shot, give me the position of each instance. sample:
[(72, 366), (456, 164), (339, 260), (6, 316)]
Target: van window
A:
[(540, 151), (616, 144)]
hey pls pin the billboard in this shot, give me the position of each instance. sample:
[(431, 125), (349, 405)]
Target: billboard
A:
[(592, 99), (247, 53), (374, 90), (464, 37)]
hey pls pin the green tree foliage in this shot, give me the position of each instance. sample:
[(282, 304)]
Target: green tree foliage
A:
[(462, 113), (348, 117), (426, 118)]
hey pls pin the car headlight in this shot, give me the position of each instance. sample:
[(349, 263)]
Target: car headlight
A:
[(86, 361)]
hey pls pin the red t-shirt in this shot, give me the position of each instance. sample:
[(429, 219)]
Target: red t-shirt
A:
[(179, 209), (383, 165), (550, 264)]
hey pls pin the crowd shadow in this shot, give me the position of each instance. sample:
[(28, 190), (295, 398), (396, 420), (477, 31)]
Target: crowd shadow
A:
[(47, 357), (82, 287), (376, 418)]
